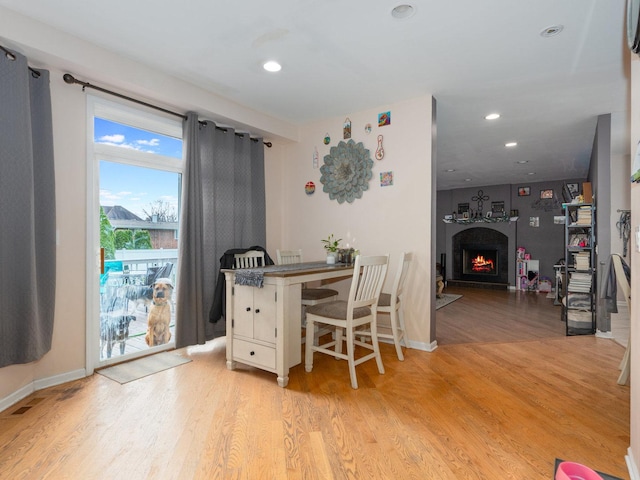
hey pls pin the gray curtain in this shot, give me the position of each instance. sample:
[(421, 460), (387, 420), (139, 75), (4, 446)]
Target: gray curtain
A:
[(223, 207), (27, 213)]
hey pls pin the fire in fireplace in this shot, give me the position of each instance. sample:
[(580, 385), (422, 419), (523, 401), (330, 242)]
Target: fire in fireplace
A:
[(480, 261)]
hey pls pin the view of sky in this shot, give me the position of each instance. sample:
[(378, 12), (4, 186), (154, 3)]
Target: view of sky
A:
[(137, 188)]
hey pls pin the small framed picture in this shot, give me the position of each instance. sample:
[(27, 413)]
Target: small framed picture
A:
[(546, 193), (573, 189), (462, 208), (465, 215), (497, 207), (524, 191), (487, 215)]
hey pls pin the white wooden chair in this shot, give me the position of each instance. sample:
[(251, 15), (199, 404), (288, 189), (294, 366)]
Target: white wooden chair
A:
[(391, 304), (249, 259), (309, 296), (286, 257), (359, 310), (621, 279)]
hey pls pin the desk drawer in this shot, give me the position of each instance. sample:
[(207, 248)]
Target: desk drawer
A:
[(254, 354)]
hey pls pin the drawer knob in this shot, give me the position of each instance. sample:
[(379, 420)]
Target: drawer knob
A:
[(257, 310), (248, 309), (252, 353)]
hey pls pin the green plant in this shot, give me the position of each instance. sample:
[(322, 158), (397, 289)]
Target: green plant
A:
[(331, 244)]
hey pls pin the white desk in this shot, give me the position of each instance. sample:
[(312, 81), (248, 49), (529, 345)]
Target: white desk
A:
[(264, 324)]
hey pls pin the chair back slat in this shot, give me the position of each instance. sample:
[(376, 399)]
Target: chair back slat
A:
[(287, 257), (250, 259), (368, 278)]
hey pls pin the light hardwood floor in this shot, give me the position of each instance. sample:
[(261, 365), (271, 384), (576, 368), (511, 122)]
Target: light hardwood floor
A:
[(502, 406)]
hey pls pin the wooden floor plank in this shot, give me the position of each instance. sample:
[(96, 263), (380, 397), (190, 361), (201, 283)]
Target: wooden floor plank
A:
[(503, 396)]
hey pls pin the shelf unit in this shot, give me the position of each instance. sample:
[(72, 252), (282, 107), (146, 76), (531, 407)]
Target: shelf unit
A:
[(579, 303)]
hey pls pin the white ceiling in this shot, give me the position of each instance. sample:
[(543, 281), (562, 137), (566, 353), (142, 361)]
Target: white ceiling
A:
[(340, 57)]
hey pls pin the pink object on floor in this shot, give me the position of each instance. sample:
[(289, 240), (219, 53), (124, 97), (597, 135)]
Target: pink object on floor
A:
[(575, 471)]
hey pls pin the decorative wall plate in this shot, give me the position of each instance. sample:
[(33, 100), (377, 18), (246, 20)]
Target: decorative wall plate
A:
[(310, 188), (346, 171)]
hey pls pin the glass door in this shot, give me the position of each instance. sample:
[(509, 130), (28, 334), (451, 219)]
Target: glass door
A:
[(137, 168)]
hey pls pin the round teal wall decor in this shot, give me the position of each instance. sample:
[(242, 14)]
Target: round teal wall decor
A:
[(346, 171)]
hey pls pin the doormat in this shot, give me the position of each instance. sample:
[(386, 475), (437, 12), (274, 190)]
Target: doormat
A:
[(603, 475), (143, 367), (446, 299)]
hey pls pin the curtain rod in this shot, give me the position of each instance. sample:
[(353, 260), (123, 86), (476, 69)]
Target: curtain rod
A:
[(11, 56), (70, 79)]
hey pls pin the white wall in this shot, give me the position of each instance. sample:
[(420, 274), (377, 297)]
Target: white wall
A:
[(388, 219)]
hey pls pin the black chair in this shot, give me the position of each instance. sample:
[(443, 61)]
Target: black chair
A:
[(154, 273)]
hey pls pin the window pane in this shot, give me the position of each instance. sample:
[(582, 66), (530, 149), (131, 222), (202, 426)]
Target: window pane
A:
[(120, 135)]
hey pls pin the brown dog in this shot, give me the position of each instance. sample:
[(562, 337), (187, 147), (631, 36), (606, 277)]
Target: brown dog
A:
[(160, 313)]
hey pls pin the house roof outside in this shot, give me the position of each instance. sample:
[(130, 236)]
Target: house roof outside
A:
[(121, 218)]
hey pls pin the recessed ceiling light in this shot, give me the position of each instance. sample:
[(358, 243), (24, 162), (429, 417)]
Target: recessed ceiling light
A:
[(272, 66), (403, 11), (522, 162), (450, 170), (511, 144), (551, 31), (467, 179), (531, 173), (492, 116)]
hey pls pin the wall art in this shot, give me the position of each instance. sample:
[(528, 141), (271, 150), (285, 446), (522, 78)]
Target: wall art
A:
[(386, 179), (379, 150), (463, 207), (384, 119), (524, 191), (497, 207), (346, 129), (346, 172), (546, 193), (367, 128), (327, 139), (480, 198)]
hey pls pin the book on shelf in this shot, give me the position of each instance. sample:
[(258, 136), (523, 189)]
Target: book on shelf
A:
[(584, 216), (579, 282), (582, 260)]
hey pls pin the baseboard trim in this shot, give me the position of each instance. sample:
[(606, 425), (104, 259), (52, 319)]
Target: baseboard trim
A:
[(631, 465), (16, 396), (601, 334), (426, 347), (41, 384)]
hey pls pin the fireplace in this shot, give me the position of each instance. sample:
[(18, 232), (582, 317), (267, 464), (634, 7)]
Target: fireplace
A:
[(481, 255), (479, 260)]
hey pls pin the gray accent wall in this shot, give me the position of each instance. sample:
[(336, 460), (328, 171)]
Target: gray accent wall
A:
[(544, 242)]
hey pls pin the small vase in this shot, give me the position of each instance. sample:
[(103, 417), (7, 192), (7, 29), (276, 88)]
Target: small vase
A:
[(331, 258)]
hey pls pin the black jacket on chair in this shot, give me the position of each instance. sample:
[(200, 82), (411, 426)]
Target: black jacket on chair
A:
[(226, 262)]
